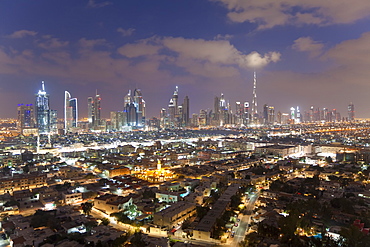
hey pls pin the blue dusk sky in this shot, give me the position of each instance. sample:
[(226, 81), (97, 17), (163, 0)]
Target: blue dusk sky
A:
[(304, 52)]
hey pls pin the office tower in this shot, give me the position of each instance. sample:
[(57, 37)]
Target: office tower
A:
[(271, 115), (298, 118), (351, 112), (279, 118), (163, 118), (202, 118), (116, 119), (134, 109), (246, 113), (185, 111), (254, 112), (90, 111), (97, 110), (265, 113), (268, 114), (292, 114), (173, 108), (26, 118), (312, 113), (239, 113), (53, 121), (42, 111), (138, 102), (70, 112)]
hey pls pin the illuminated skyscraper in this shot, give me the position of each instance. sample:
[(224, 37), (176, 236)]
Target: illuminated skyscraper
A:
[(254, 111), (134, 109), (97, 110), (139, 105), (70, 112), (42, 111), (246, 113), (26, 118), (351, 112), (90, 110)]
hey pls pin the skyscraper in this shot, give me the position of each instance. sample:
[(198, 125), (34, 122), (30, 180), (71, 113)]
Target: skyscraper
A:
[(90, 111), (42, 111), (70, 112), (134, 109), (173, 108), (254, 112), (351, 112), (185, 111), (26, 118), (139, 105), (97, 110)]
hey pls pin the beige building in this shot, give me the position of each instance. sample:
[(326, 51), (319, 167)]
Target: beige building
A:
[(174, 214), (111, 203), (22, 182)]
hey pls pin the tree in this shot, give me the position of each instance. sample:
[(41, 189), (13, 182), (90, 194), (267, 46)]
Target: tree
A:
[(137, 240), (105, 221), (86, 207), (353, 237)]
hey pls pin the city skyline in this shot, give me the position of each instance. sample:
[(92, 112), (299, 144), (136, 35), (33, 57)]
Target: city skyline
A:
[(304, 53)]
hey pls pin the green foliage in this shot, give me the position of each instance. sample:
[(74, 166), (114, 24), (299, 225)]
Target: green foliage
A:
[(353, 237), (87, 207), (44, 218), (105, 221), (137, 240), (202, 211), (148, 194)]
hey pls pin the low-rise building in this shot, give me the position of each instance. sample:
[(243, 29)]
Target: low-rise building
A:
[(174, 214)]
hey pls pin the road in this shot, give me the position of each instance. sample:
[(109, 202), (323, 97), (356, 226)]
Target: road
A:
[(244, 223)]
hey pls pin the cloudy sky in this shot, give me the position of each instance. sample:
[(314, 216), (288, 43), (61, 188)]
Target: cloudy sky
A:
[(305, 52)]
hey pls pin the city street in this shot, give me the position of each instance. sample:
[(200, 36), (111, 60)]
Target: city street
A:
[(243, 224)]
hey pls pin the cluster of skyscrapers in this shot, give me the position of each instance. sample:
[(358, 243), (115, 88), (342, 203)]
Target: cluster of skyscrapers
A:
[(133, 114), (40, 119)]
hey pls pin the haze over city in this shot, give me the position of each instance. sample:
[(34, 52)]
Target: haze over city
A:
[(305, 54)]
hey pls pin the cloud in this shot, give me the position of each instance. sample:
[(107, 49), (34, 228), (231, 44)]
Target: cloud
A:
[(271, 13), (51, 43), (94, 4), (126, 32), (219, 52), (307, 44), (91, 43), (21, 34), (138, 50)]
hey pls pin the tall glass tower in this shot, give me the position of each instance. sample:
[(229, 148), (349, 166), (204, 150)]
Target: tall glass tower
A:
[(42, 110), (70, 112)]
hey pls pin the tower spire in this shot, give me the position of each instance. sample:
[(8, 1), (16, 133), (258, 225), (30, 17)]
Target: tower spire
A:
[(254, 101)]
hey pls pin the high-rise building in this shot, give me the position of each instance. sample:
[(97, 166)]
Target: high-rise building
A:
[(70, 112), (90, 111), (246, 113), (140, 108), (185, 111), (134, 109), (268, 114), (42, 110), (173, 108), (26, 118), (97, 110), (254, 112), (351, 112)]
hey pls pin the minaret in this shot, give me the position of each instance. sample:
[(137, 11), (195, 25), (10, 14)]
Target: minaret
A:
[(254, 101)]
